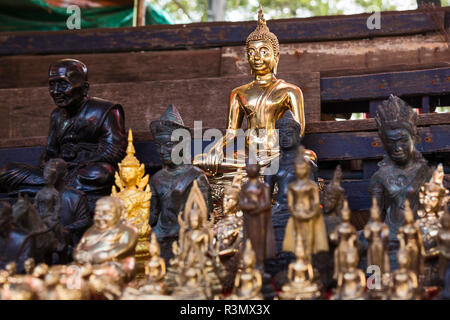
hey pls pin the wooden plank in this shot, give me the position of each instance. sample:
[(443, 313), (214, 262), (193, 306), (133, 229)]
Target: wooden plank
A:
[(31, 71), (203, 99), (380, 86), (201, 35), (347, 57), (367, 145), (370, 125)]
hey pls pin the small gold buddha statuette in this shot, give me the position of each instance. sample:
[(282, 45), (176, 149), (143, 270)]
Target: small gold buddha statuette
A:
[(248, 281), (404, 283), (134, 191), (302, 282)]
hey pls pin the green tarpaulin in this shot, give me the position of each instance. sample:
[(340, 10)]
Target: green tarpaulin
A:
[(37, 15)]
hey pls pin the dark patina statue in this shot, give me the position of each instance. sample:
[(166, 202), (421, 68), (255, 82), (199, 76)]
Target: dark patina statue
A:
[(402, 171), (289, 138), (170, 186), (12, 240), (88, 133), (256, 202), (332, 200)]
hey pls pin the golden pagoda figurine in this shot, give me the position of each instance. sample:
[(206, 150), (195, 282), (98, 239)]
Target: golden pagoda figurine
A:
[(134, 191), (248, 280), (303, 283)]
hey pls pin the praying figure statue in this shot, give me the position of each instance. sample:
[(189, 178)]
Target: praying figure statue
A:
[(171, 185), (402, 171), (135, 194), (306, 215), (256, 202), (86, 132), (262, 102)]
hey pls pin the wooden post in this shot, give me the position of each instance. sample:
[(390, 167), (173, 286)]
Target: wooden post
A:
[(139, 13)]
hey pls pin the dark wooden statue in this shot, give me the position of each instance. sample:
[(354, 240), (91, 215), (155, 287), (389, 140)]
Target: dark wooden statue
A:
[(402, 171), (289, 139), (170, 186), (255, 202), (88, 133), (332, 200)]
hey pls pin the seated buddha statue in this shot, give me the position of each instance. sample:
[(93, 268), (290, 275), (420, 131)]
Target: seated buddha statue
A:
[(135, 193), (262, 102), (109, 239), (86, 132)]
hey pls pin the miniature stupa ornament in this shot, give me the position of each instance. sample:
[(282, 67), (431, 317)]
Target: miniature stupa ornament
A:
[(135, 193)]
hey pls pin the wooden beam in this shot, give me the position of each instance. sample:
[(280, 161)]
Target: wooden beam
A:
[(201, 35)]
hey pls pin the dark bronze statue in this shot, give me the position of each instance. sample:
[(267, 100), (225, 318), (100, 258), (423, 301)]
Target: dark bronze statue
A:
[(170, 186), (13, 245), (289, 138), (256, 202), (332, 200), (88, 133), (402, 171)]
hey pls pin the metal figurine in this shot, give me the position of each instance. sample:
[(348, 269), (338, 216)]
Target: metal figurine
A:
[(303, 283), (170, 186), (345, 236), (443, 241), (410, 238), (255, 201), (88, 133), (403, 170), (109, 239), (248, 280), (332, 200), (377, 234), (289, 137), (306, 215), (351, 283), (404, 283), (262, 102), (433, 198), (135, 193)]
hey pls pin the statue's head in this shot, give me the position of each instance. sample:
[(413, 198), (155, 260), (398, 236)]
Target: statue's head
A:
[(162, 130), (195, 218), (248, 257), (433, 193), (6, 218), (345, 212), (396, 122), (130, 169), (154, 246), (402, 258), (68, 82), (289, 131), (375, 211), (59, 166), (41, 270), (49, 174), (107, 212), (302, 167), (231, 194), (29, 265), (252, 170), (263, 49)]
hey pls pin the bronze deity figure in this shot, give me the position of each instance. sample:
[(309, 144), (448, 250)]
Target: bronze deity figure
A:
[(87, 132), (171, 185)]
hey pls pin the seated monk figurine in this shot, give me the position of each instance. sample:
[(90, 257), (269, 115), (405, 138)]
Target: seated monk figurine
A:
[(402, 171), (12, 245), (88, 133), (109, 239), (171, 185), (262, 101)]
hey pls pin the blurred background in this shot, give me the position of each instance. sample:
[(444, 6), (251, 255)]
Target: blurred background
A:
[(42, 15)]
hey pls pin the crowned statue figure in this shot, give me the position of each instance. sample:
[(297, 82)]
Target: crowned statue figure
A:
[(135, 193)]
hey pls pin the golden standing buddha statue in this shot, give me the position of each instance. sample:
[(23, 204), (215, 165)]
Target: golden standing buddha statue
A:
[(248, 281), (404, 284), (303, 284), (134, 191), (262, 101)]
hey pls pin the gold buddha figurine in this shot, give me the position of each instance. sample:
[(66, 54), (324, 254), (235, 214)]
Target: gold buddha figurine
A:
[(228, 232), (302, 283), (134, 191), (110, 243), (432, 197), (345, 236), (404, 284), (192, 282), (351, 283), (262, 101), (248, 280), (306, 215), (377, 234), (155, 270), (410, 238)]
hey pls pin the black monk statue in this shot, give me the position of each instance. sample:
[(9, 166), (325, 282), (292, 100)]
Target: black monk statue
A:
[(88, 133), (170, 186)]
